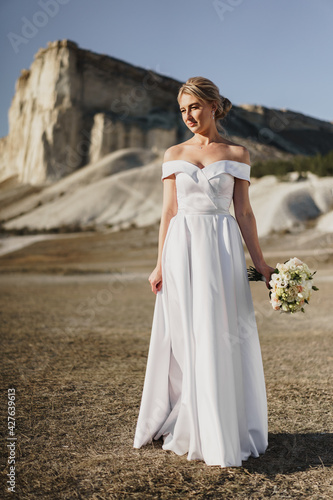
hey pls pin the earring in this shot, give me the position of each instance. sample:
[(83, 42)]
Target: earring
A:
[(213, 115)]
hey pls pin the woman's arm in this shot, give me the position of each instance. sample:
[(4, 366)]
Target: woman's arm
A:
[(169, 209), (247, 224)]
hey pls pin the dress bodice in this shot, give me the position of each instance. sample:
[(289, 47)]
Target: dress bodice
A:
[(205, 190)]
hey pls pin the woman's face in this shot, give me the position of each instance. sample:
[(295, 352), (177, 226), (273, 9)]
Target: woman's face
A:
[(197, 115)]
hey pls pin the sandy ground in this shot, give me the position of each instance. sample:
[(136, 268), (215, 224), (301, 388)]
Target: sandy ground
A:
[(76, 315)]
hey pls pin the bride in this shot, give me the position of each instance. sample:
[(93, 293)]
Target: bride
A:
[(204, 389)]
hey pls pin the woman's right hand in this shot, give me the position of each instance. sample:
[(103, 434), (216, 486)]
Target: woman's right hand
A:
[(155, 279)]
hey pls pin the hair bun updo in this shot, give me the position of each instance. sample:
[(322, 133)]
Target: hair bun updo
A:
[(205, 90)]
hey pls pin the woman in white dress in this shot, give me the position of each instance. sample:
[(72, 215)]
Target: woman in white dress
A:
[(204, 390)]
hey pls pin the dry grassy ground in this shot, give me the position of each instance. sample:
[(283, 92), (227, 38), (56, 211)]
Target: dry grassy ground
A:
[(74, 344)]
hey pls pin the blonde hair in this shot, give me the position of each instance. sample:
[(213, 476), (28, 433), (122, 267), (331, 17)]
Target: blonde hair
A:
[(205, 90)]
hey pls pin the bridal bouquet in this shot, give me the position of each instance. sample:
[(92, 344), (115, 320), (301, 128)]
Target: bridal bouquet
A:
[(291, 285)]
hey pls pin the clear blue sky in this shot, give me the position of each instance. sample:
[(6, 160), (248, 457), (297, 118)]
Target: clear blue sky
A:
[(276, 53)]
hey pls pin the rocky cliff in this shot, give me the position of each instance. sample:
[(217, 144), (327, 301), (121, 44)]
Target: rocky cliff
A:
[(73, 107)]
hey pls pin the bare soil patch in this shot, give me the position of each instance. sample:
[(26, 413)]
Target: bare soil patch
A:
[(76, 316)]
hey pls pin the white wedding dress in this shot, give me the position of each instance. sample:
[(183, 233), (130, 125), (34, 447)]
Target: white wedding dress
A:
[(204, 388)]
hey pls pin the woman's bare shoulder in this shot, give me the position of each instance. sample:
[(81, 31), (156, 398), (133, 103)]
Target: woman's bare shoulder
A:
[(242, 154), (238, 152), (173, 153)]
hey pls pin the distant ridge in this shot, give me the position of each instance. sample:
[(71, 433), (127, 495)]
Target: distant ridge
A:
[(74, 106)]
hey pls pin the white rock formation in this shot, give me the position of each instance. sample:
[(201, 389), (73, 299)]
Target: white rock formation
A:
[(72, 107), (112, 163), (288, 206), (325, 223), (125, 188), (130, 197), (86, 139)]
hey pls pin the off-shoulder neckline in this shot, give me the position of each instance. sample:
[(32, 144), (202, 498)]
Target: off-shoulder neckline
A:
[(206, 166)]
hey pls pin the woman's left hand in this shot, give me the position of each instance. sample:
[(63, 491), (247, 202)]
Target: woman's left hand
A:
[(266, 271)]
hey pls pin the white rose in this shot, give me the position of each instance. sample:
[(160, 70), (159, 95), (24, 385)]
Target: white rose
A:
[(282, 268)]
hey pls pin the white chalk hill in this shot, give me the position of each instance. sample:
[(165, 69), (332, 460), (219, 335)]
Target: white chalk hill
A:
[(289, 206), (124, 188), (121, 189)]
